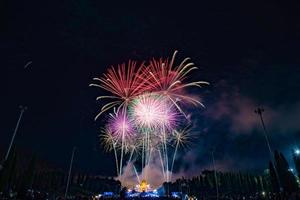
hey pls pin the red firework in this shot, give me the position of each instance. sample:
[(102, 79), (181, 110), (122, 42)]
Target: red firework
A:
[(124, 82), (171, 81)]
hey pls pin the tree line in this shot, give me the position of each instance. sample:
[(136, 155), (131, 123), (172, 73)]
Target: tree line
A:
[(278, 177), (18, 176)]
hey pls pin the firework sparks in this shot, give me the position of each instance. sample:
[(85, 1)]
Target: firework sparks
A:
[(171, 81), (147, 113), (153, 111), (120, 124), (124, 83)]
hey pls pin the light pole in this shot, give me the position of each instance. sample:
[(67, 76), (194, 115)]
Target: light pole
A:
[(70, 170), (260, 111), (215, 173), (22, 110)]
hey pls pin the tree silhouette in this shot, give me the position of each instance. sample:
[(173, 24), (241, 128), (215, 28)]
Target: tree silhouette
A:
[(286, 177), (8, 171), (27, 178), (297, 163)]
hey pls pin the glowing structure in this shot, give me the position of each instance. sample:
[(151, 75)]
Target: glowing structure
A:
[(147, 114), (143, 186)]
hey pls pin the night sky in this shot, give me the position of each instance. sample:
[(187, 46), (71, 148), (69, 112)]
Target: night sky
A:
[(248, 51)]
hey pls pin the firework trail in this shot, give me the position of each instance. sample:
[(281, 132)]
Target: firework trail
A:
[(109, 143), (182, 138)]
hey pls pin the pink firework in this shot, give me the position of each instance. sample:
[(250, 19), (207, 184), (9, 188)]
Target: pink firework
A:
[(124, 83), (119, 124), (152, 111)]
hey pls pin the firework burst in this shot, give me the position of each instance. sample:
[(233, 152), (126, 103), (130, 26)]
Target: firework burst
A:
[(123, 82), (171, 81), (147, 115), (120, 124), (152, 112)]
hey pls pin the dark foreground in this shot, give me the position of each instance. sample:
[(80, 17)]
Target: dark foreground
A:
[(47, 196)]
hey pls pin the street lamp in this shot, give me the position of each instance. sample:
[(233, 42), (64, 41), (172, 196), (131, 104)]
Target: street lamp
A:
[(259, 111), (70, 170), (22, 110), (297, 152)]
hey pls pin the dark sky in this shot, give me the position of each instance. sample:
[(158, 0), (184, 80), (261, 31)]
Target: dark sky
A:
[(247, 50)]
